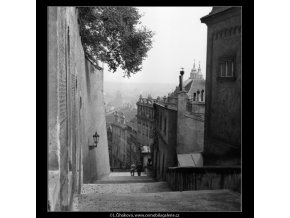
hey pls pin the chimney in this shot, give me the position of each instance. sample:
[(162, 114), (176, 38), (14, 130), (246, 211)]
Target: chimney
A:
[(116, 117), (181, 80)]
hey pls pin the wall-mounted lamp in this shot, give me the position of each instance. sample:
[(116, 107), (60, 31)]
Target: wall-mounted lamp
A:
[(96, 137)]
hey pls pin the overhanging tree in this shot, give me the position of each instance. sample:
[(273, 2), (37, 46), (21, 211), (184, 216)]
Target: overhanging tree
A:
[(109, 34)]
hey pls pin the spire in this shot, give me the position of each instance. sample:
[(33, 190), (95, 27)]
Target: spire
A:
[(199, 69), (194, 65)]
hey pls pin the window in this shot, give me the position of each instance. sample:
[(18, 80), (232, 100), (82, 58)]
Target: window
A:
[(226, 67), (198, 96), (202, 95)]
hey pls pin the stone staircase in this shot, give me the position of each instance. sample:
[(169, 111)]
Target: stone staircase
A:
[(120, 192), (138, 187)]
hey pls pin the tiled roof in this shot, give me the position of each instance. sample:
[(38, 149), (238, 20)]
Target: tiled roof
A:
[(187, 86)]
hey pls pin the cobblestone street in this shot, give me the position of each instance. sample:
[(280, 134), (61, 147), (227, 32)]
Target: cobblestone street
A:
[(131, 195)]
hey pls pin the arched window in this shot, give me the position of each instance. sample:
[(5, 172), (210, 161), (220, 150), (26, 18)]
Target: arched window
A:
[(197, 96), (202, 95), (194, 96)]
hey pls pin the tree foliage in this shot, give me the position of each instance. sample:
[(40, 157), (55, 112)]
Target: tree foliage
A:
[(109, 34)]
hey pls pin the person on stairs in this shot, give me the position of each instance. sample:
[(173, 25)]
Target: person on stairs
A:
[(139, 168), (132, 170)]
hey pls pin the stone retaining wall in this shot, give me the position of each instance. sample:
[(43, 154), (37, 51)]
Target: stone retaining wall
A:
[(204, 178)]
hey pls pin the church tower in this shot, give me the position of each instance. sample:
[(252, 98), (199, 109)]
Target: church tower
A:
[(193, 71), (196, 74), (199, 75)]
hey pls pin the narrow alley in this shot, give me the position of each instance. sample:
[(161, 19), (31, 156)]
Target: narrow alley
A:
[(124, 193), (184, 137)]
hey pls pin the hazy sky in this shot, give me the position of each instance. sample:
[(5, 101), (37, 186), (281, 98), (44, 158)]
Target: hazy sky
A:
[(179, 38)]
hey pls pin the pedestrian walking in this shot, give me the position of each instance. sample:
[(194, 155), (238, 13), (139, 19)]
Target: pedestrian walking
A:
[(139, 169), (132, 170)]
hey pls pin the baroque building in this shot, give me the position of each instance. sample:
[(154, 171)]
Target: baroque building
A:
[(119, 141), (145, 127), (179, 125), (223, 85), (123, 146), (133, 149)]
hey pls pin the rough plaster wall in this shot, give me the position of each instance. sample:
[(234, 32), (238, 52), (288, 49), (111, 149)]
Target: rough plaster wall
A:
[(96, 161), (190, 131), (89, 113), (53, 131), (196, 85), (192, 135), (53, 127), (119, 135), (166, 144), (223, 98), (226, 95), (198, 108), (62, 111)]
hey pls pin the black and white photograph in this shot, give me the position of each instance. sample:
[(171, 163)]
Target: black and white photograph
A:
[(139, 109), (144, 109)]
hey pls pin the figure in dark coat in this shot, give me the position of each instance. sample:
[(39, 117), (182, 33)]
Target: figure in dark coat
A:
[(132, 170), (139, 169)]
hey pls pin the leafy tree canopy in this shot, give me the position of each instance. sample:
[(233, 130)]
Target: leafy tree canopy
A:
[(109, 34)]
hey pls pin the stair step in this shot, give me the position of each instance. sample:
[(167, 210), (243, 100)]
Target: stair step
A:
[(207, 200), (124, 179), (148, 187)]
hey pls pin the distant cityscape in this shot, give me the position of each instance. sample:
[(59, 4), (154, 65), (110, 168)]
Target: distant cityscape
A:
[(125, 147), (131, 122), (123, 98)]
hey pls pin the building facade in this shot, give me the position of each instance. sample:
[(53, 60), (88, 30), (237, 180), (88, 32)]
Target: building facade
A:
[(110, 140), (190, 119), (145, 127), (119, 141), (179, 124), (123, 146), (223, 85), (133, 148), (165, 140)]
